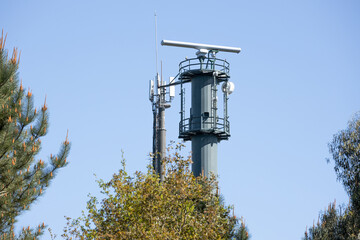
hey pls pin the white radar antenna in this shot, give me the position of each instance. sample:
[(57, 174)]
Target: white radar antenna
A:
[(203, 49)]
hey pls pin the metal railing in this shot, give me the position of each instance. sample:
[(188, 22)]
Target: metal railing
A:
[(214, 64), (204, 124)]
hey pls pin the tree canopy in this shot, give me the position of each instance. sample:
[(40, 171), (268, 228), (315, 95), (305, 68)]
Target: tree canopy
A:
[(344, 222), (142, 207), (23, 178)]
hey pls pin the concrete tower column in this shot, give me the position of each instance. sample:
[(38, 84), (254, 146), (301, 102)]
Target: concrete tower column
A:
[(202, 114)]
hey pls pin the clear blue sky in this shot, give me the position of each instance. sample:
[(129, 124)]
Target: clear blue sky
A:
[(297, 83)]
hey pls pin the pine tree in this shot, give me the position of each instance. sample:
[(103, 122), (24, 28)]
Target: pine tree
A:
[(23, 178), (241, 231)]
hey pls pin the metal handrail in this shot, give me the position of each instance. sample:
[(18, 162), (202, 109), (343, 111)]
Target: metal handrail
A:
[(186, 125), (206, 64)]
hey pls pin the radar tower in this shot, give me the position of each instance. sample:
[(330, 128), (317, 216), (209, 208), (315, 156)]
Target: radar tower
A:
[(204, 127)]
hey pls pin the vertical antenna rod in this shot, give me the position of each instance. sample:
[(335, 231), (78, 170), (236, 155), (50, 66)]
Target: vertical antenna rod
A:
[(156, 48)]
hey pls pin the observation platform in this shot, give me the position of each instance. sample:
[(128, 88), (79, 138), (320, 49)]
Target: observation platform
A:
[(204, 123), (190, 127), (194, 66)]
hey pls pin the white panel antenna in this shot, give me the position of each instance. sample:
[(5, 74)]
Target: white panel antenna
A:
[(151, 90), (172, 87), (158, 83)]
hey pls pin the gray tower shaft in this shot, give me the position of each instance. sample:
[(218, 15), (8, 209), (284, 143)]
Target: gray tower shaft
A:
[(204, 155), (202, 119)]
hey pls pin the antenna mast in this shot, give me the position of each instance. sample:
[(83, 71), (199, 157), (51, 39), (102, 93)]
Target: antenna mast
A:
[(153, 86), (157, 96)]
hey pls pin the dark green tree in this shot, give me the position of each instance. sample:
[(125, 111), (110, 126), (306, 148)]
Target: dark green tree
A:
[(343, 223), (142, 207), (23, 178)]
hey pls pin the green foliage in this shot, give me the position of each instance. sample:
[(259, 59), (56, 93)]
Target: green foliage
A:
[(345, 150), (142, 207), (22, 178), (334, 223), (241, 231)]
